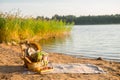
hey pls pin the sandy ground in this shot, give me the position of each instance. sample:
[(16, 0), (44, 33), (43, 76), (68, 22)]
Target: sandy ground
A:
[(11, 67)]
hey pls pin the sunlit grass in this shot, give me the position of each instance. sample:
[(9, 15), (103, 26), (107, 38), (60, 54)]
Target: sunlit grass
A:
[(16, 28)]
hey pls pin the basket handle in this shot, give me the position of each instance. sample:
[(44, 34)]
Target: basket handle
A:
[(28, 60)]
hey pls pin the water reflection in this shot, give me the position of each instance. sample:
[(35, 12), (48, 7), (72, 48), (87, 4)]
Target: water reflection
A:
[(53, 41), (56, 44)]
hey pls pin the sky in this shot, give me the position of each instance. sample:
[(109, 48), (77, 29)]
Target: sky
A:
[(49, 8)]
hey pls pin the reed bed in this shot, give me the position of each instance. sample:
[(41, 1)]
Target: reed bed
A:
[(16, 28)]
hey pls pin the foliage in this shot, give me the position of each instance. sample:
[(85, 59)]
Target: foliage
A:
[(14, 27), (103, 19)]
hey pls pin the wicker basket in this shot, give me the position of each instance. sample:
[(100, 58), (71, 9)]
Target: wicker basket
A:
[(35, 66), (38, 67)]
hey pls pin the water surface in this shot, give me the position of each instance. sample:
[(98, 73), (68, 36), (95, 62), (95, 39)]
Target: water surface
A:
[(89, 41)]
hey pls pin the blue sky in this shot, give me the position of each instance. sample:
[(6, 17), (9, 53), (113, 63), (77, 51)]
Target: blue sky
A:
[(48, 8)]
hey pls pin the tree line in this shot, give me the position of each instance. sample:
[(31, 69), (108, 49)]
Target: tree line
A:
[(82, 20)]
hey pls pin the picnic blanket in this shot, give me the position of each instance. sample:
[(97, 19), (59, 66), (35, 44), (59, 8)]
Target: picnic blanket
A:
[(72, 68), (76, 68)]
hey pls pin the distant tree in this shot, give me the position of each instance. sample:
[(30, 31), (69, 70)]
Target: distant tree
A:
[(82, 20), (39, 17)]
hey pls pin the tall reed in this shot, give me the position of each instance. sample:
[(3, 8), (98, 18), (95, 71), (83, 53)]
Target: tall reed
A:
[(16, 28)]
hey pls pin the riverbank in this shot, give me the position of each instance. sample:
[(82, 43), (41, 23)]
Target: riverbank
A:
[(11, 67)]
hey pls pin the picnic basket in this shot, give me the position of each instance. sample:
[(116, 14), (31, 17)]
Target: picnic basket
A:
[(35, 66)]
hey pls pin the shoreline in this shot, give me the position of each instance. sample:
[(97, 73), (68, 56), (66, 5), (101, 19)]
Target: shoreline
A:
[(10, 55), (105, 59)]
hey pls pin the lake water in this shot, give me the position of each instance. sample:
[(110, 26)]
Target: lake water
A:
[(91, 41)]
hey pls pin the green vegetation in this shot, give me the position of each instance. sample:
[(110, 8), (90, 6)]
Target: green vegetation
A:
[(82, 20), (16, 28)]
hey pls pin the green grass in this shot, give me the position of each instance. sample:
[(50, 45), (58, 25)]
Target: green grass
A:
[(16, 28)]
